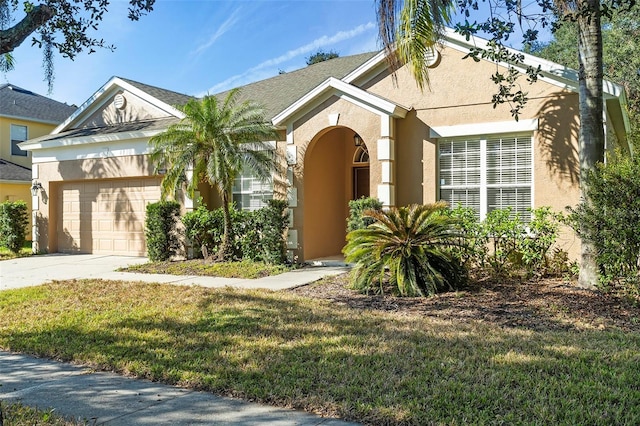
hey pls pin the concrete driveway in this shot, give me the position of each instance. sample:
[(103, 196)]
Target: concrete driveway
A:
[(36, 270)]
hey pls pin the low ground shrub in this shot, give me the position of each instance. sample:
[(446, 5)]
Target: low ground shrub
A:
[(14, 219), (356, 219), (504, 244), (413, 244)]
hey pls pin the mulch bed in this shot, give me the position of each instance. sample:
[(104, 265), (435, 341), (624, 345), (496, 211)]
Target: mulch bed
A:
[(538, 305)]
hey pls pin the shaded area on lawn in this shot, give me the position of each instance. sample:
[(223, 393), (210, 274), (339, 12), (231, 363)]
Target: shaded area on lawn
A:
[(369, 366)]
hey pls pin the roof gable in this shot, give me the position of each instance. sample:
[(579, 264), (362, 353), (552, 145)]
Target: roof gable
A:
[(16, 102), (122, 101), (335, 87), (552, 72), (277, 93)]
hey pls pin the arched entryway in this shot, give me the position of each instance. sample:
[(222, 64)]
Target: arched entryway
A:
[(336, 170)]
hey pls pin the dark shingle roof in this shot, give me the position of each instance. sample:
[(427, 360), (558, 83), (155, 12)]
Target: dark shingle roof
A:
[(277, 93), (133, 126), (167, 96), (21, 103), (12, 171)]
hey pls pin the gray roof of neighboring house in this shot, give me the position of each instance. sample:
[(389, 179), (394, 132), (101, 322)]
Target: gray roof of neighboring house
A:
[(167, 96), (12, 171), (277, 93), (22, 103)]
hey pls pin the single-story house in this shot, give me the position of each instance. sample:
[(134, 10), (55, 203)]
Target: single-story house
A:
[(348, 129)]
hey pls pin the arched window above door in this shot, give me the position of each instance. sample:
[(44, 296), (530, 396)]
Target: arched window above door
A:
[(361, 155)]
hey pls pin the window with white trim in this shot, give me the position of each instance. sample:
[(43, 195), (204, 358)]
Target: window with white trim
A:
[(487, 173), (250, 192), (18, 135)]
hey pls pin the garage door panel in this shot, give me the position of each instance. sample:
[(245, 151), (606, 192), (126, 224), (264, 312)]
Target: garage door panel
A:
[(105, 217)]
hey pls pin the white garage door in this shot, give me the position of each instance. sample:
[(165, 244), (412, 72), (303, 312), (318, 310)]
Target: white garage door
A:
[(105, 216)]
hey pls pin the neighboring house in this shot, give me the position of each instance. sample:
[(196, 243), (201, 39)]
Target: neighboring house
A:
[(23, 115), (349, 129)]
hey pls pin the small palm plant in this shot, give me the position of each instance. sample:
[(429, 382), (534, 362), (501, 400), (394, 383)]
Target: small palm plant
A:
[(414, 244)]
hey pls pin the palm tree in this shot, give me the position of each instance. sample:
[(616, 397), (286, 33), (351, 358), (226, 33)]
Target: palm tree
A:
[(216, 139), (410, 37), (419, 29), (414, 243)]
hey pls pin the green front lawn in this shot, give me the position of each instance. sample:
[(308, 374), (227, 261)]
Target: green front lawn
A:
[(16, 414), (369, 366), (243, 269), (6, 254)]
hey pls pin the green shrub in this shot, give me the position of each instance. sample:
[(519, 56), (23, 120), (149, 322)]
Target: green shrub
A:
[(609, 219), (502, 244), (356, 219), (414, 244), (275, 221), (256, 235), (473, 239), (534, 247), (14, 219), (203, 228), (504, 230), (161, 232)]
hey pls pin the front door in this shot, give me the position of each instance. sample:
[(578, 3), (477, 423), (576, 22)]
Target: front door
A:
[(360, 182)]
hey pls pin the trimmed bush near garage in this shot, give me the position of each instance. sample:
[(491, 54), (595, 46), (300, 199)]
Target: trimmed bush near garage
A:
[(161, 230)]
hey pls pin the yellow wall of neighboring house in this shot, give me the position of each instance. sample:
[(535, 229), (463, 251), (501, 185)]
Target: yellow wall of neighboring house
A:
[(34, 130), (10, 191), (15, 192)]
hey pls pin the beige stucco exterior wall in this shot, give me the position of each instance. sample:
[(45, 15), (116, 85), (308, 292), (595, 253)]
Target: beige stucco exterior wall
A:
[(134, 109), (460, 94), (54, 174)]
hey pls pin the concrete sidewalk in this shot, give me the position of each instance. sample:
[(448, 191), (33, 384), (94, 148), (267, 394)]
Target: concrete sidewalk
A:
[(102, 398), (36, 270)]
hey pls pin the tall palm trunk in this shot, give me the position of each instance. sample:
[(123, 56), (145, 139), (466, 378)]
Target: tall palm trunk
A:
[(225, 252), (591, 138)]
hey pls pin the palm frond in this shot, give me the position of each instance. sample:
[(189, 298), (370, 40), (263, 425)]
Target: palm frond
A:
[(413, 243)]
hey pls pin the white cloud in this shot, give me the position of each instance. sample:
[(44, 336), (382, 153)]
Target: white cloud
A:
[(260, 71), (226, 25)]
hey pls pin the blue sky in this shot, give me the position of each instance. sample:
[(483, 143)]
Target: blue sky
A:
[(200, 46), (204, 46)]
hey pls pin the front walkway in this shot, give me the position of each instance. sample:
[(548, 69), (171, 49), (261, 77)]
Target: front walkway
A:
[(36, 270)]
